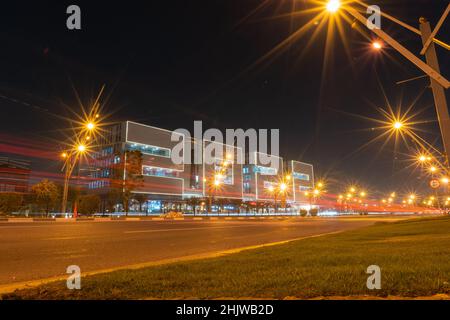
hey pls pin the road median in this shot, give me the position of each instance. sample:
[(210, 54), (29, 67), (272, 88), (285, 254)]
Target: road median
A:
[(403, 250)]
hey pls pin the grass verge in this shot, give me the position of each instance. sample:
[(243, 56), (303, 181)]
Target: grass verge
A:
[(414, 257)]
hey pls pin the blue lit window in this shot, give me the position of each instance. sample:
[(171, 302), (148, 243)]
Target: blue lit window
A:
[(159, 172), (151, 150), (301, 176), (265, 171)]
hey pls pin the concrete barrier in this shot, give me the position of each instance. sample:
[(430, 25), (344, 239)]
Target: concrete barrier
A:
[(133, 219), (118, 218), (20, 220), (102, 219), (85, 219), (44, 219)]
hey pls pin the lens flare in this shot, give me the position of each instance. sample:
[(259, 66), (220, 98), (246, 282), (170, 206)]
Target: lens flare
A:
[(333, 6)]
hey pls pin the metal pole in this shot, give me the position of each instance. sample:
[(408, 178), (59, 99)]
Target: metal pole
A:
[(407, 26), (67, 174), (65, 190), (435, 31), (438, 91), (402, 50)]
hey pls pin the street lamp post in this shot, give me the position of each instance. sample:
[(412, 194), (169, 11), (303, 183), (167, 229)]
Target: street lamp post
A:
[(438, 90), (431, 68), (73, 156), (69, 165)]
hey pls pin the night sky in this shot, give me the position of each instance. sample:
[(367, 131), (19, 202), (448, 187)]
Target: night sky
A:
[(168, 63)]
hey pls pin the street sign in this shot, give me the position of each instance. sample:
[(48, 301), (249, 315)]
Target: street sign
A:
[(435, 184)]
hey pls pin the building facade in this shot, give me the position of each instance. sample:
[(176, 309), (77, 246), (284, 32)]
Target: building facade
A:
[(216, 183), (14, 175)]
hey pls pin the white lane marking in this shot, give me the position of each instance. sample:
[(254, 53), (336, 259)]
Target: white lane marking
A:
[(189, 229)]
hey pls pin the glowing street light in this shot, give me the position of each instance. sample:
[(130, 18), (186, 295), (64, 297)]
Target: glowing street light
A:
[(90, 126), (333, 6), (433, 169), (362, 193), (397, 125), (64, 155), (283, 186), (377, 45), (444, 180), (81, 148)]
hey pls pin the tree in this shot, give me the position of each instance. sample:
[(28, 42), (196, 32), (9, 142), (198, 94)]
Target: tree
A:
[(313, 212), (193, 202), (10, 202), (45, 194), (89, 204), (141, 198), (112, 199), (127, 176)]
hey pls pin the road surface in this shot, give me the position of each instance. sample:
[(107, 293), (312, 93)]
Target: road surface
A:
[(39, 250)]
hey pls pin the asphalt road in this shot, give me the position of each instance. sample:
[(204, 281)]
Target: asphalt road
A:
[(38, 250)]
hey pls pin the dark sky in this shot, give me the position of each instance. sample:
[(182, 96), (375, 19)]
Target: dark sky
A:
[(168, 63)]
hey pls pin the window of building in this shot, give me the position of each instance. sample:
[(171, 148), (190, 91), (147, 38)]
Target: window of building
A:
[(225, 170), (268, 184), (159, 172), (148, 149), (266, 171), (301, 176)]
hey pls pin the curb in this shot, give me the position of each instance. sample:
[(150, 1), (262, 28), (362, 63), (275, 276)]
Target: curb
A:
[(156, 218)]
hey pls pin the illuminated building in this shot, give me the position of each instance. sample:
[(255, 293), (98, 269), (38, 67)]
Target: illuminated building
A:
[(187, 185)]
